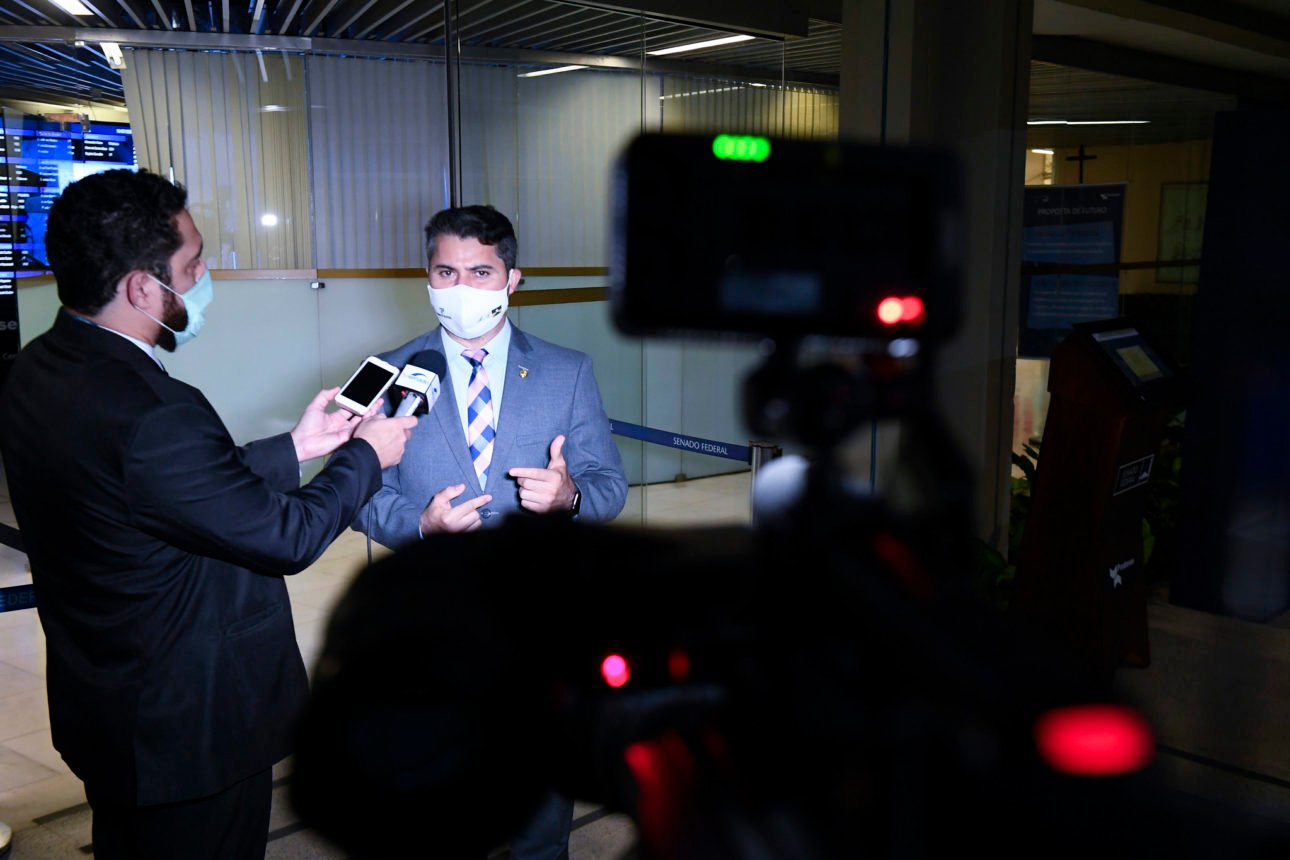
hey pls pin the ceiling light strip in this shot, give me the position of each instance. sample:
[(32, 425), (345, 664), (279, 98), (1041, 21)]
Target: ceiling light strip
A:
[(1088, 122), (698, 46), (72, 7), (554, 71)]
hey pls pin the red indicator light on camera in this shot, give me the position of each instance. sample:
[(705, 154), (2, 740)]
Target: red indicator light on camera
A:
[(614, 670), (1094, 740), (895, 310), (889, 311)]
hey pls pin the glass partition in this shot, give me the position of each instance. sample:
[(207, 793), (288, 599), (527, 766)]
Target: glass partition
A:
[(539, 133), (311, 173), (1150, 159)]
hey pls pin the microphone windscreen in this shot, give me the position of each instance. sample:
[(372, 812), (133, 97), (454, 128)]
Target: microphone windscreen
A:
[(420, 382)]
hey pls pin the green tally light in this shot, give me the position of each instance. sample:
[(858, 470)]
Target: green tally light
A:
[(740, 147)]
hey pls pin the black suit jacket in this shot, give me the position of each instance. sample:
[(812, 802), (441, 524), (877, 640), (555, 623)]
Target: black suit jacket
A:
[(157, 550)]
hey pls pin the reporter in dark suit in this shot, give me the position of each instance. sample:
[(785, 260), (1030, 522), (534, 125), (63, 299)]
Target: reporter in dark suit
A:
[(158, 547)]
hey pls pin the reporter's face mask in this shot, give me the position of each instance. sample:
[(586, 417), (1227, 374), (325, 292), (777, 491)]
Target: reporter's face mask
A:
[(196, 300), (468, 312)]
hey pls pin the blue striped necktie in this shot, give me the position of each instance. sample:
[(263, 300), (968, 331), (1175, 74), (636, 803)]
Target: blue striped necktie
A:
[(479, 414)]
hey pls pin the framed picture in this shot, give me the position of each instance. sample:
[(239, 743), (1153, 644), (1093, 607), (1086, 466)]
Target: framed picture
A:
[(1182, 226)]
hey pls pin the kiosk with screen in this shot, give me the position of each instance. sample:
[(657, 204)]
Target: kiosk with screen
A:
[(1080, 569)]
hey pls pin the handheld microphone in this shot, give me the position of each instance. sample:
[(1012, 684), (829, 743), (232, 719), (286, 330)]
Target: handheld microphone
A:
[(420, 386)]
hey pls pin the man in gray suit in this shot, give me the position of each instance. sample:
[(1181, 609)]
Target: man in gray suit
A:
[(519, 426)]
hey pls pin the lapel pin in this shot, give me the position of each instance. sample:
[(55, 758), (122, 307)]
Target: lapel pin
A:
[(524, 372)]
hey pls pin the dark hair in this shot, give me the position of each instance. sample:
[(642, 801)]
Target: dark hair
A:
[(482, 223), (107, 225)]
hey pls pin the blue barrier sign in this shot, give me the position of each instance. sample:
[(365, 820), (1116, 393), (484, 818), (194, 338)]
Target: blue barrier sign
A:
[(677, 440), (17, 597)]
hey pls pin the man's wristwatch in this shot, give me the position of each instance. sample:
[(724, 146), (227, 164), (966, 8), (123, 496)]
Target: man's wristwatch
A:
[(576, 504)]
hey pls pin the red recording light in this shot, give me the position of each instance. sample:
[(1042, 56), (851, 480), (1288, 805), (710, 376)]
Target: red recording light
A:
[(889, 310), (614, 670), (1094, 740), (894, 310)]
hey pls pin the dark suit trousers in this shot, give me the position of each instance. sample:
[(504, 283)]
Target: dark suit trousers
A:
[(546, 836), (231, 825)]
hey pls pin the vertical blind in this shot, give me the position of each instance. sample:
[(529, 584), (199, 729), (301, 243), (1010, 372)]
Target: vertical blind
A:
[(255, 136), (380, 165), (230, 127)]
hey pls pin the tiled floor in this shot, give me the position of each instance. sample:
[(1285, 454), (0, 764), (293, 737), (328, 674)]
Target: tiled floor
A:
[(44, 803)]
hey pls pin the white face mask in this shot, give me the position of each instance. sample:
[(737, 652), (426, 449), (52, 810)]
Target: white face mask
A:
[(196, 300), (469, 312)]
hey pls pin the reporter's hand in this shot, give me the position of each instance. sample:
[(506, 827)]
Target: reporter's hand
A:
[(319, 432), (442, 516), (387, 436)]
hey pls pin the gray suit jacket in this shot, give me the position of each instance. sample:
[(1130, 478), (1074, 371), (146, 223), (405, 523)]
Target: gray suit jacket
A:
[(557, 394)]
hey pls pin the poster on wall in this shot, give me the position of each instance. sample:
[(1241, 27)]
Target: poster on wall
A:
[(39, 157), (1182, 229), (1072, 225)]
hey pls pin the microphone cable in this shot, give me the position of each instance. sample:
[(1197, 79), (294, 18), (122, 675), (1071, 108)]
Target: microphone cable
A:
[(368, 532)]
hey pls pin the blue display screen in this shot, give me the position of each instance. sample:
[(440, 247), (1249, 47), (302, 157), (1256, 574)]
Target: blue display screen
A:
[(38, 159)]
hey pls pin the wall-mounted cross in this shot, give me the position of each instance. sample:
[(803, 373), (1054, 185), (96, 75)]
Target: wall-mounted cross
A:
[(1081, 158)]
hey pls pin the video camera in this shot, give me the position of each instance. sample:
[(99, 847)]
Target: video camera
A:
[(824, 684), (796, 244)]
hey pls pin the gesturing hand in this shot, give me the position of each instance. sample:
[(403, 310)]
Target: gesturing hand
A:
[(442, 516), (549, 489)]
